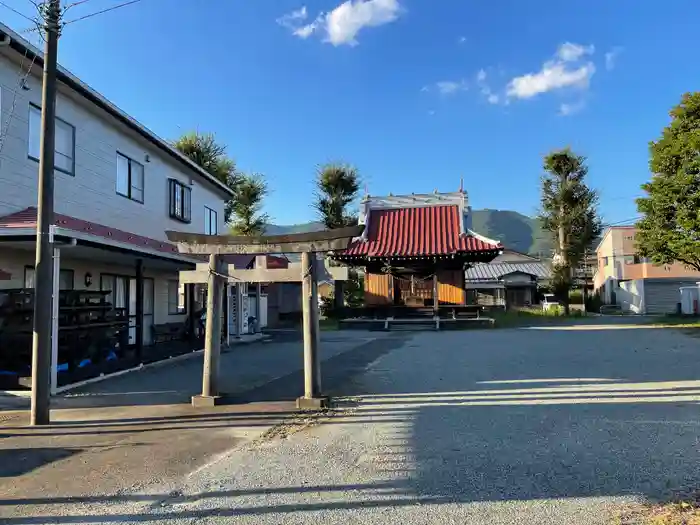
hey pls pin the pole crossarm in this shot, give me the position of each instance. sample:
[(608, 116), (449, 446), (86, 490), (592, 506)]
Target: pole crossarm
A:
[(321, 241)]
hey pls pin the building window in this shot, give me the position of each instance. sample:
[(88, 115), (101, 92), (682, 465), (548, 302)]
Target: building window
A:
[(605, 261), (180, 201), (64, 154), (210, 222), (176, 298), (65, 278), (129, 178)]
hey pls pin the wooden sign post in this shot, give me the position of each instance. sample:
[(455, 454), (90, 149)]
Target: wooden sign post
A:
[(215, 273)]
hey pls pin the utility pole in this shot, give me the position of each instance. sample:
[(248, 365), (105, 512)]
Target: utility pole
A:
[(43, 283)]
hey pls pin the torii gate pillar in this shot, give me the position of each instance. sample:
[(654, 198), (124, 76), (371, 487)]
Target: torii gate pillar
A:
[(312, 377), (212, 338)]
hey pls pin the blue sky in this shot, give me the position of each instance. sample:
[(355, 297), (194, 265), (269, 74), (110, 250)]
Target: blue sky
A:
[(414, 93)]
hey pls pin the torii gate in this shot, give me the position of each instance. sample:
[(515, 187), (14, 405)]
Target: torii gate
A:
[(214, 273)]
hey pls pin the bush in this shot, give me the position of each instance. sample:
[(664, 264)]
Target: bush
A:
[(575, 297), (594, 302), (327, 307)]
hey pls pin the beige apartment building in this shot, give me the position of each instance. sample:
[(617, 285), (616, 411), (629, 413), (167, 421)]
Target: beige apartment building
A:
[(633, 282)]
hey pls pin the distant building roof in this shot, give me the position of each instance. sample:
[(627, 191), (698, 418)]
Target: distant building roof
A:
[(423, 231), (495, 272)]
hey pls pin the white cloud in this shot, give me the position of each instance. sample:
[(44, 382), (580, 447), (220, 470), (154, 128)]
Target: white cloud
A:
[(555, 74), (290, 20), (567, 109), (611, 58), (307, 30), (485, 90), (342, 25), (345, 21), (449, 87), (569, 52)]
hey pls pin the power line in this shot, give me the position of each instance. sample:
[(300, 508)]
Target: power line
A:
[(18, 12), (74, 4), (101, 11), (22, 80)]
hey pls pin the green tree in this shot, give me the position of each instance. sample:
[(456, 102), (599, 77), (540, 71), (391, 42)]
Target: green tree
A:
[(246, 206), (211, 156), (569, 213), (337, 187), (669, 229)]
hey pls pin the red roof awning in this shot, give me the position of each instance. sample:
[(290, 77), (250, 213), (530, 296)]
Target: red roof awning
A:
[(27, 219), (421, 231)]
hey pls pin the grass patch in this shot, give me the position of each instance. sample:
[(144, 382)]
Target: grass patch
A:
[(688, 325), (685, 511), (533, 317), (328, 325), (678, 321)]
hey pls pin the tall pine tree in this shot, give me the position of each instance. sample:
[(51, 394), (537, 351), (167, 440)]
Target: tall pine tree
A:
[(569, 212)]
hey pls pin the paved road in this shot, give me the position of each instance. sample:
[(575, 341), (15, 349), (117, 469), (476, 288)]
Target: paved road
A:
[(553, 426)]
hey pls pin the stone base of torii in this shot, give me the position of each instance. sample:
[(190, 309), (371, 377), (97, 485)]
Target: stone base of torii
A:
[(215, 274)]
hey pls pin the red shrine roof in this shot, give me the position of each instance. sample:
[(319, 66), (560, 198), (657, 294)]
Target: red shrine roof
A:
[(418, 231)]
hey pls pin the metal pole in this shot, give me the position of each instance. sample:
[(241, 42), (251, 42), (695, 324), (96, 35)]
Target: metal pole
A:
[(139, 310), (54, 322), (238, 310), (43, 284), (317, 318), (258, 307), (584, 291), (311, 387), (212, 337)]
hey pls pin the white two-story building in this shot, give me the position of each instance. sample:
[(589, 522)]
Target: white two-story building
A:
[(118, 188)]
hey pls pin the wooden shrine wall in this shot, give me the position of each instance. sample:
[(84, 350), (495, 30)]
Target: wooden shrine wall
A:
[(451, 287), (379, 288)]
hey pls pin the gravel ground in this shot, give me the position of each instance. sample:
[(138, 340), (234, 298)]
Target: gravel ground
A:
[(490, 427)]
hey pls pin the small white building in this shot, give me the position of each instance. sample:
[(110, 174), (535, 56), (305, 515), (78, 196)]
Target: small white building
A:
[(651, 296)]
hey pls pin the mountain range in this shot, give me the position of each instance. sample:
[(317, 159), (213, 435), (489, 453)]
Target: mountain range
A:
[(515, 230)]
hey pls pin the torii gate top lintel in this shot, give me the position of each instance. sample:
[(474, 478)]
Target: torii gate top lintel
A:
[(320, 241)]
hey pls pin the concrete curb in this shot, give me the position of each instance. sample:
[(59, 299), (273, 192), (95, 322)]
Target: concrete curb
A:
[(66, 388)]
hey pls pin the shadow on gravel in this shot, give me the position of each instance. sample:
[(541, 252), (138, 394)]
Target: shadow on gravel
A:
[(336, 371), (15, 462)]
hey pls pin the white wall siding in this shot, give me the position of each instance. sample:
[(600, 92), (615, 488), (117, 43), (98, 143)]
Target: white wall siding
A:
[(631, 296), (91, 193)]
